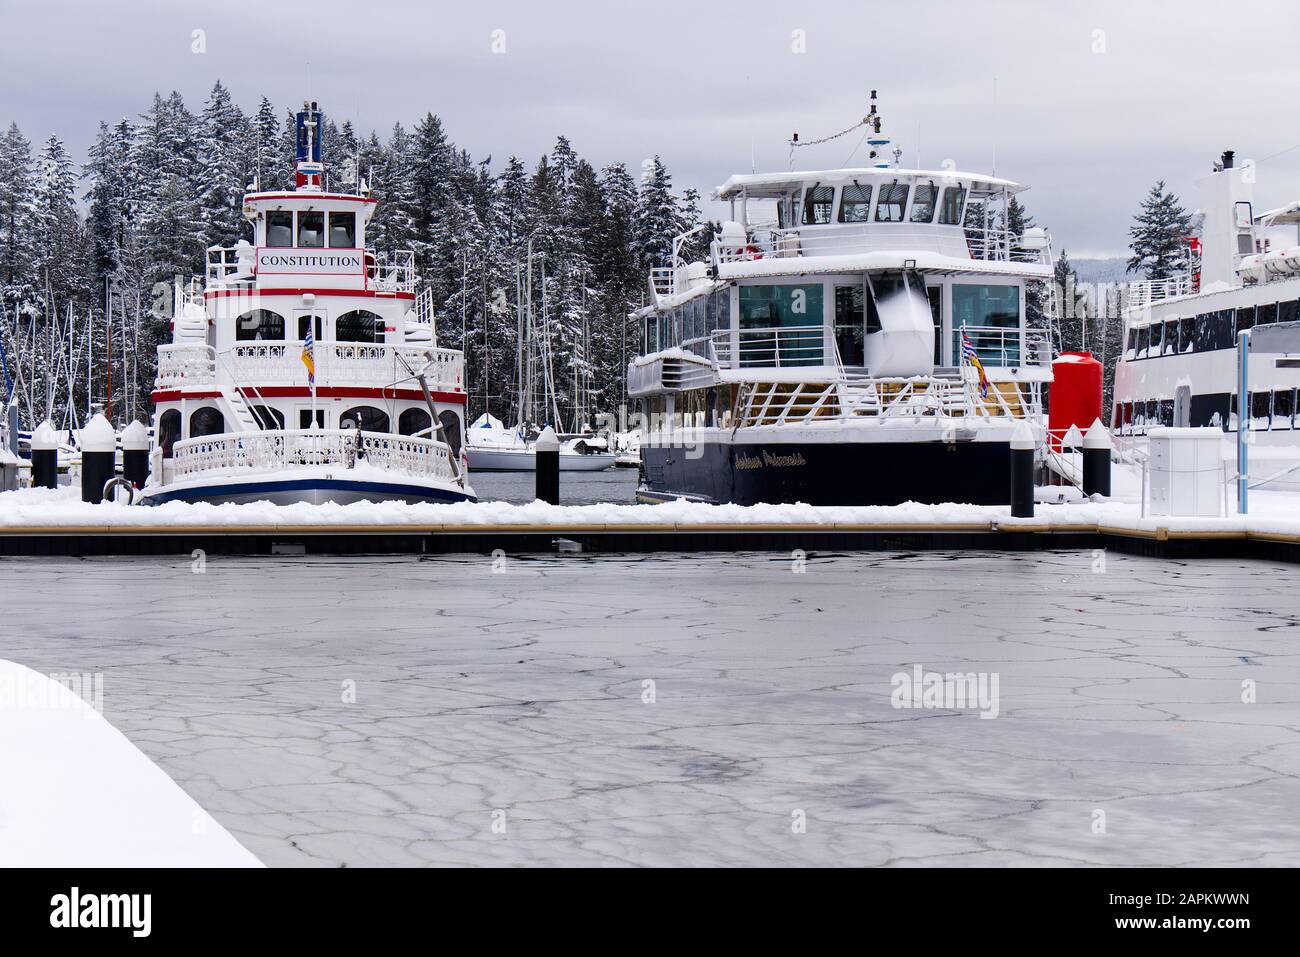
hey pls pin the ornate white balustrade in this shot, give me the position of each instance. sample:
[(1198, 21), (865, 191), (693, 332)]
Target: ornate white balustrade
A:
[(258, 364), (240, 453)]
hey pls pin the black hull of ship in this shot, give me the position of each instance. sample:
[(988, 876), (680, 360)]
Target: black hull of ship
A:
[(847, 473)]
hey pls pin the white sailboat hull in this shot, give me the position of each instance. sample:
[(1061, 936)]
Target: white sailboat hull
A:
[(525, 460)]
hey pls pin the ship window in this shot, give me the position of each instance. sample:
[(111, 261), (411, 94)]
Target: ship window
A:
[(364, 417), (169, 431), (892, 201), (985, 310), (1167, 412), (1144, 341), (817, 205), (206, 421), (451, 430), (343, 230), (359, 325), (1261, 408), (259, 324), (1131, 349), (1266, 314), (279, 228), (1245, 318), (954, 198), (305, 418), (267, 417), (1286, 311), (786, 323), (923, 202), (1171, 337), (855, 203), (1187, 333), (414, 422), (311, 229), (1283, 408), (302, 328), (849, 316)]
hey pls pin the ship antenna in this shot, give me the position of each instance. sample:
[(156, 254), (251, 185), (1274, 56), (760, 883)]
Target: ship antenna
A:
[(871, 121)]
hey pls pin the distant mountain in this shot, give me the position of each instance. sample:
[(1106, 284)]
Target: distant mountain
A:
[(1102, 270)]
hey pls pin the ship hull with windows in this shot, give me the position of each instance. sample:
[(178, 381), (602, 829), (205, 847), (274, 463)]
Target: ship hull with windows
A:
[(306, 369), (820, 359), (1180, 363)]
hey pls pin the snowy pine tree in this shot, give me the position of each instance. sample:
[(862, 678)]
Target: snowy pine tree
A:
[(1159, 235)]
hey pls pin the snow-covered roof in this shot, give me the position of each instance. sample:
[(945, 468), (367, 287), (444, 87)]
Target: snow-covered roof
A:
[(772, 185), (922, 259), (1288, 215)]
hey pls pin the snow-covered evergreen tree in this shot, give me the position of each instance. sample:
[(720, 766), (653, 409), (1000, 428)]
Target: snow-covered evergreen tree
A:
[(1159, 235)]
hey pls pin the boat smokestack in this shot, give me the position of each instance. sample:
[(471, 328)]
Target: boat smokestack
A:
[(1227, 158)]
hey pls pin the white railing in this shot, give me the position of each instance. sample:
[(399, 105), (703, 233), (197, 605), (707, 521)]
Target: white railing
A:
[(1143, 292), (393, 272), (1007, 346), (663, 281), (271, 451), (993, 245), (262, 363), (778, 347)]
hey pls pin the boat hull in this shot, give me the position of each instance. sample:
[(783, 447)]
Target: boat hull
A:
[(311, 491), (524, 460), (829, 473)]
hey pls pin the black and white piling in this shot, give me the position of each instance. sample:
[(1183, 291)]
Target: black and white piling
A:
[(1022, 471), (1096, 460), (45, 457), (135, 454), (98, 449), (547, 452)]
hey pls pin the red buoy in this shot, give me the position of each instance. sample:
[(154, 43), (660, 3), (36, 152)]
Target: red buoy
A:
[(1075, 398)]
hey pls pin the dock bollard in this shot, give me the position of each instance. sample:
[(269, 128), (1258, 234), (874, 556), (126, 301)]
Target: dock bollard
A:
[(1022, 471), (98, 449), (135, 454), (547, 452), (1096, 460), (45, 456)]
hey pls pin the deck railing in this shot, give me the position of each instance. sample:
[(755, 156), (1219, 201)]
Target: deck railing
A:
[(263, 363), (993, 245), (271, 451), (385, 272)]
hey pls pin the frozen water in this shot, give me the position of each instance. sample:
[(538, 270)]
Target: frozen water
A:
[(513, 692)]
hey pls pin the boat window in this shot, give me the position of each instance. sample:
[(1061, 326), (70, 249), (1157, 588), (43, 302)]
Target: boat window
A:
[(954, 197), (849, 316), (1187, 333), (311, 229), (267, 417), (1261, 409), (855, 203), (1171, 336), (169, 431), (302, 328), (343, 230), (1286, 311), (206, 421), (359, 325), (985, 310), (923, 202), (1266, 314), (364, 417), (305, 418), (1130, 351), (1245, 318), (451, 430), (786, 324), (279, 228), (1214, 330), (1283, 408), (259, 324), (414, 422), (817, 205), (892, 201), (1144, 341)]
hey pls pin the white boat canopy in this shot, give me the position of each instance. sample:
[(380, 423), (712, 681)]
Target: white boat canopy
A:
[(776, 185)]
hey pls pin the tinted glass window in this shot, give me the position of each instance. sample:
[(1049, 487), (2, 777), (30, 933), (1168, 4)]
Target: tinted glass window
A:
[(950, 211), (311, 229), (414, 422), (817, 205), (260, 324), (1171, 336), (316, 332), (892, 201), (206, 421), (923, 202), (1286, 311), (855, 203), (787, 308), (1187, 334), (849, 317), (1266, 315), (366, 418), (279, 228), (169, 431), (359, 326), (1283, 408), (343, 230)]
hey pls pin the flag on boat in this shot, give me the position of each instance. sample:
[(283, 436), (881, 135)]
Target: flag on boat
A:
[(969, 355), (309, 355)]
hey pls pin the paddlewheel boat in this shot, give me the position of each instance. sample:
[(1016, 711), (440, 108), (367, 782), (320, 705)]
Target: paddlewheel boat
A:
[(306, 368)]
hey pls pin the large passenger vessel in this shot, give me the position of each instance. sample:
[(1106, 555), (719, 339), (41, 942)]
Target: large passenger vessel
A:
[(1179, 366), (869, 346), (306, 368)]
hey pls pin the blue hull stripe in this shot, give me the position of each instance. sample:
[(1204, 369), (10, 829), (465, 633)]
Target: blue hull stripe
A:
[(200, 493)]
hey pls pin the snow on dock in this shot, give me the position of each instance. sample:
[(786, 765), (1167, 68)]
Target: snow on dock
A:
[(76, 793)]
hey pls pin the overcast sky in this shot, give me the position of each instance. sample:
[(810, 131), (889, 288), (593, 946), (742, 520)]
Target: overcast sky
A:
[(1094, 101)]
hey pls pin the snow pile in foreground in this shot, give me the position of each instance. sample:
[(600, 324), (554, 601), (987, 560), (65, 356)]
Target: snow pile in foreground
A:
[(74, 792), (1272, 512)]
